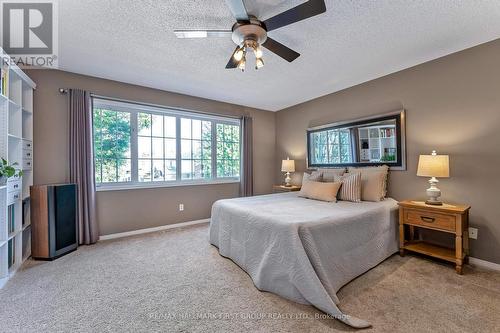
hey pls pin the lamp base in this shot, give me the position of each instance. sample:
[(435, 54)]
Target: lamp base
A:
[(433, 193), (288, 180), (434, 203)]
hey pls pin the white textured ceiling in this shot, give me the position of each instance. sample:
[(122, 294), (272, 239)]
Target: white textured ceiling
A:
[(353, 42)]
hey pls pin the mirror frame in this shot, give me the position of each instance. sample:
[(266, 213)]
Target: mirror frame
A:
[(399, 116)]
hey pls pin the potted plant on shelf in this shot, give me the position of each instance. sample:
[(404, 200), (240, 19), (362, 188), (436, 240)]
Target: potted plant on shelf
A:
[(7, 171)]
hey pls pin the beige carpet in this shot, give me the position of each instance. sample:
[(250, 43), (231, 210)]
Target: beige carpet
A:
[(174, 281)]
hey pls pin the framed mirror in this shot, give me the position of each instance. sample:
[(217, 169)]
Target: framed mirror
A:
[(372, 141)]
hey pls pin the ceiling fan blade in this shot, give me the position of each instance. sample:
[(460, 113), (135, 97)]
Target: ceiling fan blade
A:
[(301, 12), (237, 7), (283, 51), (232, 62), (202, 33)]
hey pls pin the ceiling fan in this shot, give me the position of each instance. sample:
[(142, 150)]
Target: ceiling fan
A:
[(249, 33)]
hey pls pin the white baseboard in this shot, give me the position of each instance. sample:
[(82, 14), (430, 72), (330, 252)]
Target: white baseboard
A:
[(484, 264), (149, 230)]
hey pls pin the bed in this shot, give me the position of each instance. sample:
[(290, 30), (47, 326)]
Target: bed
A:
[(305, 250)]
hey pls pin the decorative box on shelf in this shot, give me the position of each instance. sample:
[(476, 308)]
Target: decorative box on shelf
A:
[(451, 219)]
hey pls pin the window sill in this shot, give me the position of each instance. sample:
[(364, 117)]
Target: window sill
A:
[(122, 187)]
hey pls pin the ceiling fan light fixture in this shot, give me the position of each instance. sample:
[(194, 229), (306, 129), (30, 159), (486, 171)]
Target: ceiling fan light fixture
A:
[(240, 54), (242, 63), (249, 33), (259, 63), (258, 52)]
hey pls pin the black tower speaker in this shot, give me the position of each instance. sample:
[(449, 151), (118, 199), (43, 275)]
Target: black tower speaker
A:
[(54, 220)]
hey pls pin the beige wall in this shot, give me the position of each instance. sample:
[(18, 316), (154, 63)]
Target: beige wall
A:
[(453, 105), (120, 211)]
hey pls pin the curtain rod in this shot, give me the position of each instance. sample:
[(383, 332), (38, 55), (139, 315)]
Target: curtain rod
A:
[(65, 91)]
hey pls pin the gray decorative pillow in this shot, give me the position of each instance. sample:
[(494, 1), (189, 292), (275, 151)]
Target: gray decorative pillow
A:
[(316, 176), (329, 174), (311, 177)]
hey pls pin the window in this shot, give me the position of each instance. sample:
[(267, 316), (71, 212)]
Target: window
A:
[(331, 147), (112, 146), (228, 150), (156, 147), (196, 149), (143, 146)]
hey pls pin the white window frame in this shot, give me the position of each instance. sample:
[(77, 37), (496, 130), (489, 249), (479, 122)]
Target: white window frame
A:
[(339, 147), (134, 108)]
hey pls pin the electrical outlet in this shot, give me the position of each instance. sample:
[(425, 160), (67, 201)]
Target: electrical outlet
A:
[(473, 233), (181, 207)]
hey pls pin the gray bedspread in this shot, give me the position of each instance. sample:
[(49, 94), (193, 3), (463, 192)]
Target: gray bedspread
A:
[(305, 250)]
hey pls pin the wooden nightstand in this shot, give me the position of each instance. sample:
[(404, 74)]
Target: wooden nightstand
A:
[(283, 188), (453, 219)]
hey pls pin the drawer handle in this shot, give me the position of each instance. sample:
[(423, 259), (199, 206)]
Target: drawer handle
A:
[(427, 219), (16, 196), (16, 186)]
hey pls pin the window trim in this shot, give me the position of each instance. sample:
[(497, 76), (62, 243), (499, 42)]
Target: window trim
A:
[(133, 108), (141, 185)]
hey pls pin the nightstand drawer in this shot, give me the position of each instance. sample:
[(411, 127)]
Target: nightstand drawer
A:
[(430, 219)]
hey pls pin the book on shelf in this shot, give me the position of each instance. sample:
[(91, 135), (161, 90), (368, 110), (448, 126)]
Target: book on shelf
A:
[(4, 87), (11, 218), (387, 132), (26, 212), (12, 253)]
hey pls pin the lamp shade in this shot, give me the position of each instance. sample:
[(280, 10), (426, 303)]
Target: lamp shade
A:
[(288, 166), (434, 165)]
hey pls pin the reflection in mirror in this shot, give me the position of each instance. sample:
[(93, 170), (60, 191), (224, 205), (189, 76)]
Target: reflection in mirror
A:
[(364, 142)]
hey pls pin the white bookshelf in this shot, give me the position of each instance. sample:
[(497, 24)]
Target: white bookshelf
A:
[(16, 145), (377, 142)]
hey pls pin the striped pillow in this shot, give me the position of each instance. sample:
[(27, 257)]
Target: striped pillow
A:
[(351, 187)]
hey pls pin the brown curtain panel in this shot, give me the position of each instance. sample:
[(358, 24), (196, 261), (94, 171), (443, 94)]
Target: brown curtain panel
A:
[(246, 184), (81, 163)]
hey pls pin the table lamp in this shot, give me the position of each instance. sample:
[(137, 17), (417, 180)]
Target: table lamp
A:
[(433, 166), (288, 166)]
